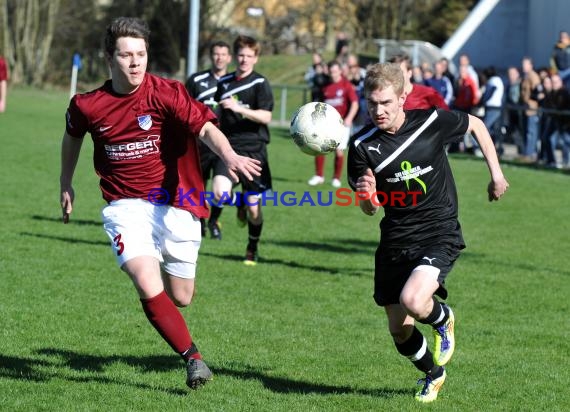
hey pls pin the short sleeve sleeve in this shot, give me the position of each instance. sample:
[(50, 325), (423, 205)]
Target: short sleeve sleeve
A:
[(356, 164), (76, 123), (190, 113), (455, 124)]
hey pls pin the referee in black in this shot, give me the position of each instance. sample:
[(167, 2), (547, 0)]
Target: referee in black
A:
[(402, 155)]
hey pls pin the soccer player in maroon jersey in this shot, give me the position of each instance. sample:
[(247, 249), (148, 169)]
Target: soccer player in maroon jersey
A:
[(145, 132), (340, 94), (418, 96), (404, 151), (3, 84)]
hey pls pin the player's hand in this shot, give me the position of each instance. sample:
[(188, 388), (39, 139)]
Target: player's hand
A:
[(66, 199), (243, 165), (497, 188), (366, 185), (230, 104)]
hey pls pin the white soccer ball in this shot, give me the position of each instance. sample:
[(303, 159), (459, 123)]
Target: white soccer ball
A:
[(317, 128)]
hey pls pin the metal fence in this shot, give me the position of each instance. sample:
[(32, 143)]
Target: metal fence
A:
[(288, 99)]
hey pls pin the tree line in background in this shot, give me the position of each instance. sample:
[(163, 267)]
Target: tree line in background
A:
[(39, 37)]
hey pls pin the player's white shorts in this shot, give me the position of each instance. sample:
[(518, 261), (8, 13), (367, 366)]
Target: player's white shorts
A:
[(345, 138), (139, 228)]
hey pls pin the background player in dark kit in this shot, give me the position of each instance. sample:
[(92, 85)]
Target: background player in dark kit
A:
[(246, 100), (202, 86)]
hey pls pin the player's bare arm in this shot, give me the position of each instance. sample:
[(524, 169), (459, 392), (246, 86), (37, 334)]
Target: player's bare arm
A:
[(235, 163), (366, 189), (349, 119), (70, 149), (256, 115), (498, 185)]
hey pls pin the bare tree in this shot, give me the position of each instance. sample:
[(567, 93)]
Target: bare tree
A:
[(28, 27)]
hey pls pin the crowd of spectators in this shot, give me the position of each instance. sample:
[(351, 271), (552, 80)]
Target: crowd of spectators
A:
[(526, 107)]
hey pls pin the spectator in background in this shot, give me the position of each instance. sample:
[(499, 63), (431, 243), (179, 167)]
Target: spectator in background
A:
[(317, 77), (531, 93), (560, 58), (427, 73), (3, 84), (446, 72), (492, 101), (417, 75), (465, 100), (340, 94), (546, 123), (514, 116), (342, 49), (560, 122), (441, 83), (356, 76), (467, 90), (464, 61), (418, 96), (543, 73)]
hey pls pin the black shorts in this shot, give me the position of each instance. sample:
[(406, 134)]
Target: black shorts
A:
[(394, 266), (210, 163), (260, 183)]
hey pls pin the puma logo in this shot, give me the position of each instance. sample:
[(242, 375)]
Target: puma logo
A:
[(375, 149)]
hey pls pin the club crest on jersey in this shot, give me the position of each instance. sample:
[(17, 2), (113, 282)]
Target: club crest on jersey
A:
[(145, 121)]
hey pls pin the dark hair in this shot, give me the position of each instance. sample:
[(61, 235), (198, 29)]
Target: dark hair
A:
[(401, 57), (246, 41), (490, 72), (125, 27), (333, 63), (219, 43)]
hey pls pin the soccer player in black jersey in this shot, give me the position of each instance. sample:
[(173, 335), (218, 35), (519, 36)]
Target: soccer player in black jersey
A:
[(246, 101), (399, 162), (202, 86)]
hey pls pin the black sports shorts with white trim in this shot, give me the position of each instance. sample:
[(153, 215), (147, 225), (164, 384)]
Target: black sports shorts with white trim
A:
[(393, 267), (260, 183)]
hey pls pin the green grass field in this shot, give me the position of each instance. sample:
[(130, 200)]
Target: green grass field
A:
[(298, 332)]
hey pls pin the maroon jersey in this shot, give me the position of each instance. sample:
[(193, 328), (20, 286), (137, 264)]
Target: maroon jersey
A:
[(145, 143), (3, 69), (424, 97), (340, 95)]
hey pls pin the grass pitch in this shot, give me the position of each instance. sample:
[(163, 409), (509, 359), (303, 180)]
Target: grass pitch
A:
[(298, 332)]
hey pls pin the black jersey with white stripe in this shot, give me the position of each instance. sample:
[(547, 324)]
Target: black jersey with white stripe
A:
[(413, 176), (202, 86), (253, 92)]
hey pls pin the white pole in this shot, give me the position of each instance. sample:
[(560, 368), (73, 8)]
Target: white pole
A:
[(193, 37), (73, 88), (74, 69), (467, 28)]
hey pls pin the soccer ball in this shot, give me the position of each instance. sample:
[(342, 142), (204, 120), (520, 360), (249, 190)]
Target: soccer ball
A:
[(317, 128)]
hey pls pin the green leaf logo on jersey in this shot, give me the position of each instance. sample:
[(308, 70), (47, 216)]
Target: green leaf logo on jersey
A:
[(409, 173)]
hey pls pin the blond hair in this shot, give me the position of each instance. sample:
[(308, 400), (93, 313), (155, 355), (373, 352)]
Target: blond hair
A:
[(380, 76)]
